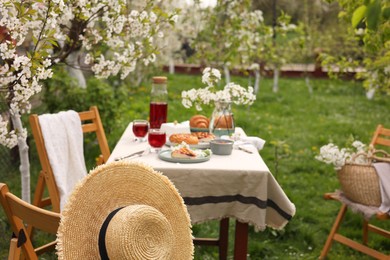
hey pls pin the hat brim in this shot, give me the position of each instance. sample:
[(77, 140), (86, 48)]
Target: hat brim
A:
[(115, 185)]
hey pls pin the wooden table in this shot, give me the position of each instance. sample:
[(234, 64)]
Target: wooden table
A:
[(237, 186)]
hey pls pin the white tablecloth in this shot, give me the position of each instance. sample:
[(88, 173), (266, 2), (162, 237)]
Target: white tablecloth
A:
[(239, 185)]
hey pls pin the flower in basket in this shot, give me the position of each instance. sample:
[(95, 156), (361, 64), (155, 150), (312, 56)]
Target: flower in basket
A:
[(332, 154), (205, 96)]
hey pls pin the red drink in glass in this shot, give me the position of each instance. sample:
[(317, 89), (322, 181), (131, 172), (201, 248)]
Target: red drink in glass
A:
[(140, 129), (158, 114), (156, 138)]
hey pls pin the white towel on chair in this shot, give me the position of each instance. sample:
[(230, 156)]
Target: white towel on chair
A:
[(63, 137), (383, 171)]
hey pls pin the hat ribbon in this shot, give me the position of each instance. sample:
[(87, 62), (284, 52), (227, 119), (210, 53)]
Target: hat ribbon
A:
[(102, 234)]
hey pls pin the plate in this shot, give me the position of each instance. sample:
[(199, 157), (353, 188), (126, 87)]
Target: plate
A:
[(166, 156), (200, 145)]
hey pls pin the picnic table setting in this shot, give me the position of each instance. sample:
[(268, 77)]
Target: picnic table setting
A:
[(213, 169), (214, 165), (194, 130)]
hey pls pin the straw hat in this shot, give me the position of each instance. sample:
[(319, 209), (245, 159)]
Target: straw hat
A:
[(125, 210)]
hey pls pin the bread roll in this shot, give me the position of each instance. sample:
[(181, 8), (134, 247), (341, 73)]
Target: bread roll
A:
[(199, 121), (187, 138), (223, 122), (204, 136)]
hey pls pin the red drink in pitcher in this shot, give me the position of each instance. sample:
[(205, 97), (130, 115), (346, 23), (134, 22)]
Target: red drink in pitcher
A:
[(158, 114)]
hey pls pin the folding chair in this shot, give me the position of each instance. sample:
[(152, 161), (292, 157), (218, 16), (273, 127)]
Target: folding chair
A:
[(381, 138), (21, 213), (91, 122), (221, 241)]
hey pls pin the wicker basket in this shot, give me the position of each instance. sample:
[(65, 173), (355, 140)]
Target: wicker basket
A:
[(360, 182)]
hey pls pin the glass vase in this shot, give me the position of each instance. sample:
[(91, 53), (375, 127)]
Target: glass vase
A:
[(222, 120)]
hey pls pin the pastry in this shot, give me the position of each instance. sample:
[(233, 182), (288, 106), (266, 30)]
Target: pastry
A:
[(183, 152), (204, 136), (199, 121), (182, 137)]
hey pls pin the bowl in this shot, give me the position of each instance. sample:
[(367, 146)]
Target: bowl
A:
[(221, 146)]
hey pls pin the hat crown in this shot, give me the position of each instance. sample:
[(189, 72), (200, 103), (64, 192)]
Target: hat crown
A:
[(139, 232), (132, 189)]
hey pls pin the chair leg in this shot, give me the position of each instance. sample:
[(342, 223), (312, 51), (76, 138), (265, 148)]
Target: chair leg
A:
[(38, 195), (39, 189), (221, 242), (333, 231), (223, 238), (14, 250), (365, 232)]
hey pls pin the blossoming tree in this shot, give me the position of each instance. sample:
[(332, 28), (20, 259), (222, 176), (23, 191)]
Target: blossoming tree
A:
[(369, 30), (226, 30), (35, 35), (237, 36)]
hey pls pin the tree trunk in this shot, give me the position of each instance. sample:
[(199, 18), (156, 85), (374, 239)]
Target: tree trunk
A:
[(171, 66), (275, 87), (307, 79), (257, 81), (24, 160), (370, 93), (75, 70), (227, 73), (308, 84)]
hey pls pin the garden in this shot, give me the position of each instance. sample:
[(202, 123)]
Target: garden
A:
[(295, 115)]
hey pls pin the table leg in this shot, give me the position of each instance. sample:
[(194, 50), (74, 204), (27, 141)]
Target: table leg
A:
[(241, 241)]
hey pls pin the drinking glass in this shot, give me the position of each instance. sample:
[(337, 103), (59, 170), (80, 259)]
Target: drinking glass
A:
[(140, 129), (156, 139)]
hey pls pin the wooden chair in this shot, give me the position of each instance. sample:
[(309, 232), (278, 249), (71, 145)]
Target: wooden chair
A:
[(221, 241), (381, 138), (21, 213), (91, 122)]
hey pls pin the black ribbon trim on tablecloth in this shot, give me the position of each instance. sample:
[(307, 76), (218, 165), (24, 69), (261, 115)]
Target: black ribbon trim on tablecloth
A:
[(196, 201)]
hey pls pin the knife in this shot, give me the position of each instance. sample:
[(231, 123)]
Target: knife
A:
[(244, 149), (139, 153)]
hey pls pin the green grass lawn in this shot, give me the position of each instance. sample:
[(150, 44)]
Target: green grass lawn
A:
[(295, 125)]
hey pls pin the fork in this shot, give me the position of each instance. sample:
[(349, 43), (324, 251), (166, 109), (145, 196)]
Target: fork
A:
[(139, 153)]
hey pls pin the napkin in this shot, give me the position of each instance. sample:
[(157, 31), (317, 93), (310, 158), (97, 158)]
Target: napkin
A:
[(175, 128), (246, 140), (383, 171)]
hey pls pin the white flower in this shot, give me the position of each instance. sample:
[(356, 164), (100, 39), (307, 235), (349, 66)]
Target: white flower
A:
[(175, 18), (331, 154), (206, 96)]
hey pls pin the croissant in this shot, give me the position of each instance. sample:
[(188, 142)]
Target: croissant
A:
[(199, 121), (178, 138)]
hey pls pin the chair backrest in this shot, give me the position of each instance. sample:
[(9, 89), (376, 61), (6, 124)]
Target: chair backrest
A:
[(381, 137), (21, 213), (91, 122)]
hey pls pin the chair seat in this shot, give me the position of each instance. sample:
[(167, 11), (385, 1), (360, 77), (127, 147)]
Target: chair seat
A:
[(373, 211)]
